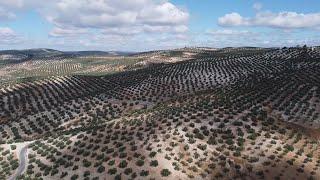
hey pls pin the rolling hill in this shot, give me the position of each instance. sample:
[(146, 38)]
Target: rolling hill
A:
[(233, 113)]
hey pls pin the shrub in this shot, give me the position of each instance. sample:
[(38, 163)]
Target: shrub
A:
[(13, 147), (154, 163), (123, 164), (112, 171), (212, 141), (289, 147), (74, 177), (237, 123), (64, 174), (202, 146), (165, 172), (128, 171), (101, 169), (111, 163), (229, 141), (253, 159), (86, 173), (86, 163), (140, 162), (117, 177), (152, 154), (237, 153), (144, 173)]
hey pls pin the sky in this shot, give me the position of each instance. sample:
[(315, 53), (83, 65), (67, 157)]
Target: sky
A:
[(140, 25)]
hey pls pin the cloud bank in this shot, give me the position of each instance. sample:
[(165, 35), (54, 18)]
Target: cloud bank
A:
[(282, 20)]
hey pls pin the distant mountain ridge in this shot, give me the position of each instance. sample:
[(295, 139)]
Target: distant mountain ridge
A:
[(27, 54), (98, 53)]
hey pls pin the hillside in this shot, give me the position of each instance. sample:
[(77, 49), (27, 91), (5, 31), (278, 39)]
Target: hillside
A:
[(232, 113), (18, 66)]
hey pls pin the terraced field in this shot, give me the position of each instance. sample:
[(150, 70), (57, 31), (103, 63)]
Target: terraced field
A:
[(226, 114)]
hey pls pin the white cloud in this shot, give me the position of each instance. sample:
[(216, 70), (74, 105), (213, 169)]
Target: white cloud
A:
[(25, 4), (12, 3), (6, 15), (70, 17), (162, 14), (257, 6), (228, 32), (181, 29), (5, 31), (8, 36), (164, 29), (232, 19), (122, 31), (144, 29), (60, 32), (89, 24), (232, 38), (283, 20), (104, 14)]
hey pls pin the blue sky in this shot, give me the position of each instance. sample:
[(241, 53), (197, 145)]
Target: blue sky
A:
[(138, 25)]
